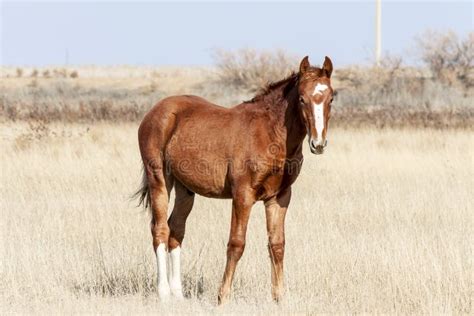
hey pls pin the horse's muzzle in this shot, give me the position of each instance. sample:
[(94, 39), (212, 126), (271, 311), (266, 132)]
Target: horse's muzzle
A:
[(317, 147)]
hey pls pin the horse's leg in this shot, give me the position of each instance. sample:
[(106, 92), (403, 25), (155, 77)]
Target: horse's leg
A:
[(160, 187), (241, 206), (275, 210), (183, 204)]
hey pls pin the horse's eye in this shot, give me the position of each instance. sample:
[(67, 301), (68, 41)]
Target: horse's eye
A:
[(301, 100), (331, 100)]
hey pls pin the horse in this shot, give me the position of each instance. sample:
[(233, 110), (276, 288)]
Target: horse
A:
[(250, 152)]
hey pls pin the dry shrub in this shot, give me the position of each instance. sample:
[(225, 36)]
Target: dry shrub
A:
[(371, 85), (389, 95), (33, 83), (389, 85), (60, 73), (251, 70), (400, 117), (393, 95), (450, 58), (19, 72), (34, 73), (74, 74), (37, 130), (65, 100)]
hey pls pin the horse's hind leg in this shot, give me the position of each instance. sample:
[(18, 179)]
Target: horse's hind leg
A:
[(154, 133), (160, 187), (184, 201)]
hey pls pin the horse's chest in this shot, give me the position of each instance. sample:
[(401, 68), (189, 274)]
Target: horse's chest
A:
[(281, 174)]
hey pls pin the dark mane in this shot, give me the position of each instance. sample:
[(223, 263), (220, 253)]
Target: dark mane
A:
[(289, 81)]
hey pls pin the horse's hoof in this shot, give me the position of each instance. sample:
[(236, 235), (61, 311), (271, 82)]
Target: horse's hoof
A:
[(222, 299), (164, 293)]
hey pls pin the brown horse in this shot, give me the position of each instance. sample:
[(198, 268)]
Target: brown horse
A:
[(250, 152)]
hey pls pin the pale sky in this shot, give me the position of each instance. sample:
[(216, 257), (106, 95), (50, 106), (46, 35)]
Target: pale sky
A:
[(185, 33)]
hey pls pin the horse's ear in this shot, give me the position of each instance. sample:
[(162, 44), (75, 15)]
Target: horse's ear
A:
[(304, 65), (327, 66)]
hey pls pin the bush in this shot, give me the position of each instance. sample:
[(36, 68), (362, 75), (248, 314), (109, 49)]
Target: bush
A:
[(251, 70), (449, 58)]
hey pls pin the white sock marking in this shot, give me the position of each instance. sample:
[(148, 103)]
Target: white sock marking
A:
[(163, 286), (175, 280), (319, 88), (318, 109)]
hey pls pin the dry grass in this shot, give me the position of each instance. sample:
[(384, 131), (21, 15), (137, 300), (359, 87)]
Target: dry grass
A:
[(381, 223)]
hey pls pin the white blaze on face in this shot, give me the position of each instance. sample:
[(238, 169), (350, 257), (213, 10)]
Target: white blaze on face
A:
[(318, 110), (175, 279), (163, 285)]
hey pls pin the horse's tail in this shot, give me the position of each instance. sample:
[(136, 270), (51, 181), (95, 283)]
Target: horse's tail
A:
[(143, 193)]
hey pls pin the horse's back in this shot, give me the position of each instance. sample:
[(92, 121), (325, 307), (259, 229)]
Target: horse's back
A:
[(187, 103), (162, 118)]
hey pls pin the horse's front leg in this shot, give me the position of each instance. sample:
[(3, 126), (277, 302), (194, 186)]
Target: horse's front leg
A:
[(275, 210), (241, 206)]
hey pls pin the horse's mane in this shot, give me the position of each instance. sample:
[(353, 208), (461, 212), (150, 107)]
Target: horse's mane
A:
[(288, 82)]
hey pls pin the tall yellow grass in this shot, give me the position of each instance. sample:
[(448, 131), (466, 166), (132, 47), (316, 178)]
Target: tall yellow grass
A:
[(381, 223)]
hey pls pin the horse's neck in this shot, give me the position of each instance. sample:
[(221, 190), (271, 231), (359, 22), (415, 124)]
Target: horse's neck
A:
[(288, 117), (296, 130)]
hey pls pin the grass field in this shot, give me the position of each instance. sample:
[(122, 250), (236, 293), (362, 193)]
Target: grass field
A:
[(381, 223)]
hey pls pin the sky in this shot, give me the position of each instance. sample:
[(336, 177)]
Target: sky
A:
[(187, 33)]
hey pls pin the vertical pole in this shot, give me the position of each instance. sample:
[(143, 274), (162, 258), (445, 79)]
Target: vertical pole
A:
[(378, 31)]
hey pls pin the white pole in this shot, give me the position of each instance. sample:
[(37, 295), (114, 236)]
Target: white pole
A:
[(378, 31)]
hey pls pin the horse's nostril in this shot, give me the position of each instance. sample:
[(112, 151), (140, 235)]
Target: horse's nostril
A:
[(316, 147), (316, 144)]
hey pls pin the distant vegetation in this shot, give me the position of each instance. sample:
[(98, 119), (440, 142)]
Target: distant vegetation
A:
[(438, 95), (450, 59)]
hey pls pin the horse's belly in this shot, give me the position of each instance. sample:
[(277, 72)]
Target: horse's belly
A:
[(202, 177)]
